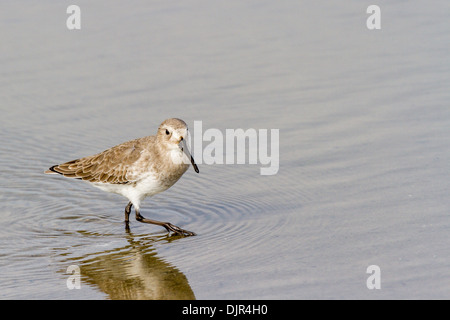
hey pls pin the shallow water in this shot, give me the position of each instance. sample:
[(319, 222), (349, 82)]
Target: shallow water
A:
[(364, 160)]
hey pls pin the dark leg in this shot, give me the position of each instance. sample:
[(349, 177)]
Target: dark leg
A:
[(169, 227), (127, 212)]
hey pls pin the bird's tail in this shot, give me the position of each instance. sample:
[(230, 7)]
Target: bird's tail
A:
[(52, 170)]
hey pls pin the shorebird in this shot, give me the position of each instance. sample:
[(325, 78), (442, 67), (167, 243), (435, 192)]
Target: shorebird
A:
[(138, 168)]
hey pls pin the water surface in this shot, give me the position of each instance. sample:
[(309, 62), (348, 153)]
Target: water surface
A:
[(364, 160)]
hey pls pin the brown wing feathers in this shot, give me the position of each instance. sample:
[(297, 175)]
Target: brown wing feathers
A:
[(109, 166)]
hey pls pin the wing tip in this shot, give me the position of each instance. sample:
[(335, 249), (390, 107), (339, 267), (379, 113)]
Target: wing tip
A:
[(52, 170)]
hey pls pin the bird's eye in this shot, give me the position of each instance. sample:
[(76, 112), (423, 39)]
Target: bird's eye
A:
[(167, 132)]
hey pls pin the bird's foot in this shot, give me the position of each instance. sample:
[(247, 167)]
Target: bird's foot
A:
[(177, 230)]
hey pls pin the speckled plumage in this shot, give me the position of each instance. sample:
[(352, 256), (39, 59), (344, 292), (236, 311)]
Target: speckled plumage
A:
[(137, 168)]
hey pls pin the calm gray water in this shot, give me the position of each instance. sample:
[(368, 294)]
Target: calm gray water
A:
[(364, 123)]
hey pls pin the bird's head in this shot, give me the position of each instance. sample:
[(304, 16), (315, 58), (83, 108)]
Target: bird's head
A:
[(172, 133)]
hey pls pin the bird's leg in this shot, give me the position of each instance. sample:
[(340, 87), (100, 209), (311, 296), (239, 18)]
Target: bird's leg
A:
[(169, 227), (127, 212)]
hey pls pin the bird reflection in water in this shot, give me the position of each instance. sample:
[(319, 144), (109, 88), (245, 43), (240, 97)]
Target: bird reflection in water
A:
[(134, 272)]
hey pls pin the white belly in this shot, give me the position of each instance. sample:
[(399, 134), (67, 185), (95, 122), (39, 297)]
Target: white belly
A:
[(135, 192)]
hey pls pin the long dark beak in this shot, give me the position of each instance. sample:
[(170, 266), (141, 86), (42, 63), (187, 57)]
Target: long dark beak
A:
[(185, 149)]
